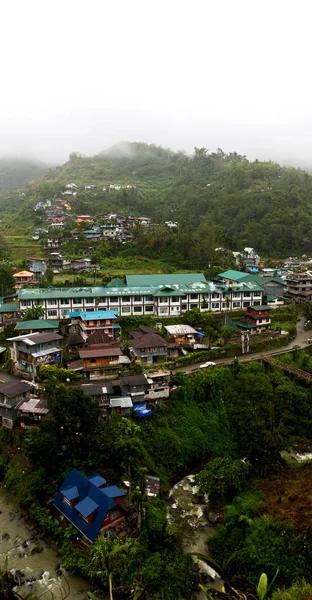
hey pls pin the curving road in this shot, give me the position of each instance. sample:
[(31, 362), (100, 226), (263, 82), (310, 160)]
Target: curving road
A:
[(301, 340)]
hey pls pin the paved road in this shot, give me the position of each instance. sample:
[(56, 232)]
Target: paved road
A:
[(300, 340)]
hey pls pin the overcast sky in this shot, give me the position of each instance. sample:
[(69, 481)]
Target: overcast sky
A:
[(81, 76)]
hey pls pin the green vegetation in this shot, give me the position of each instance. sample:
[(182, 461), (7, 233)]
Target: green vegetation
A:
[(218, 199)]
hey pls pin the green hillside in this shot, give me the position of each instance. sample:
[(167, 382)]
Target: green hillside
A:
[(16, 172), (218, 200)]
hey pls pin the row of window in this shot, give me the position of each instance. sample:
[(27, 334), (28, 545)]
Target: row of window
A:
[(127, 299)]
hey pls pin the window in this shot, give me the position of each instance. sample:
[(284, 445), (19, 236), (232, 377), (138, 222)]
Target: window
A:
[(245, 304), (125, 299), (113, 300), (204, 305), (236, 304), (149, 308), (194, 296), (125, 309), (246, 294), (148, 298), (215, 305), (163, 300), (64, 300), (137, 299), (175, 299), (257, 294), (260, 320), (115, 512), (184, 307), (52, 302), (215, 296), (77, 301), (52, 313), (163, 311), (103, 300), (26, 303), (89, 300), (93, 360), (236, 295), (137, 309)]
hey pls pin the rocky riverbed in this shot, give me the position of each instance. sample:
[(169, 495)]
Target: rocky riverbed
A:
[(33, 562), (189, 512)]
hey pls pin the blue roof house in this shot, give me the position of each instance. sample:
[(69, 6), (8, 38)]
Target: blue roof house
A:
[(89, 504)]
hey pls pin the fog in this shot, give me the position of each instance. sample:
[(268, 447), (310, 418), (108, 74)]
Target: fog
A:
[(81, 76)]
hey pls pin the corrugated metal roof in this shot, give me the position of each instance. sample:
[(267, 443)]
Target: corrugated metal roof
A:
[(86, 507), (180, 329), (97, 480), (164, 278), (121, 402), (71, 493), (14, 388), (231, 274), (97, 315), (10, 307), (37, 324), (99, 352)]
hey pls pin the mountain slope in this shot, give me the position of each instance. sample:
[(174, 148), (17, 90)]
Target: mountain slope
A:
[(16, 172)]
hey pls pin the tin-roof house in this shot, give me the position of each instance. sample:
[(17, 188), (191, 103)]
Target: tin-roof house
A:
[(90, 505)]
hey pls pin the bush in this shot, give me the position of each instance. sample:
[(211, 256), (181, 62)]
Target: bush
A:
[(223, 478)]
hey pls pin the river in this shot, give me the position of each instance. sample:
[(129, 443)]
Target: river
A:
[(188, 512), (31, 559)]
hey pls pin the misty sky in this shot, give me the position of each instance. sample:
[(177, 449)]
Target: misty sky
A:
[(81, 76)]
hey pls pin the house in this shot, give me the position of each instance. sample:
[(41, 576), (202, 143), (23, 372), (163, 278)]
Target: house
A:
[(99, 361), (122, 406), (172, 224), (23, 277), (134, 386), (87, 323), (101, 392), (84, 219), (28, 352), (81, 264), (92, 234), (32, 410), (299, 286), (11, 393), (271, 285), (158, 384), (37, 265), (259, 316), (91, 506), (182, 334), (37, 325), (8, 313), (248, 256), (148, 348)]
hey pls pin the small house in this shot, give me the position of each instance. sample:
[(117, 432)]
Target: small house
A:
[(182, 334), (28, 352), (11, 393), (8, 313), (87, 323), (259, 317), (98, 361), (37, 325), (91, 506), (23, 277), (134, 386)]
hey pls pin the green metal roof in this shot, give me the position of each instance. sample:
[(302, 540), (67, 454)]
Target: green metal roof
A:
[(271, 297), (231, 274), (169, 292), (116, 282), (9, 307), (260, 307), (262, 280), (164, 279), (37, 324)]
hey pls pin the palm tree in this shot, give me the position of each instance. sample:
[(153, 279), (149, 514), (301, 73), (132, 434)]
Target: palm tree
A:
[(34, 313), (105, 553)]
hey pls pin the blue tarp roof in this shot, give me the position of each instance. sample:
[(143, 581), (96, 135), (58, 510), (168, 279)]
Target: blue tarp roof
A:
[(144, 413), (86, 489), (141, 406), (70, 493), (200, 333), (97, 480), (86, 507)]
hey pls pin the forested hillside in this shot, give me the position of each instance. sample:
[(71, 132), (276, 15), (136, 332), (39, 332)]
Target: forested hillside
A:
[(218, 199), (16, 172)]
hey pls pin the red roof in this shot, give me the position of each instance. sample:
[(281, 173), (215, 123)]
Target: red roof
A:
[(99, 352)]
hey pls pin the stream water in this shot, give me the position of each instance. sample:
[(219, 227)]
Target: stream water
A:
[(188, 512), (35, 564)]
